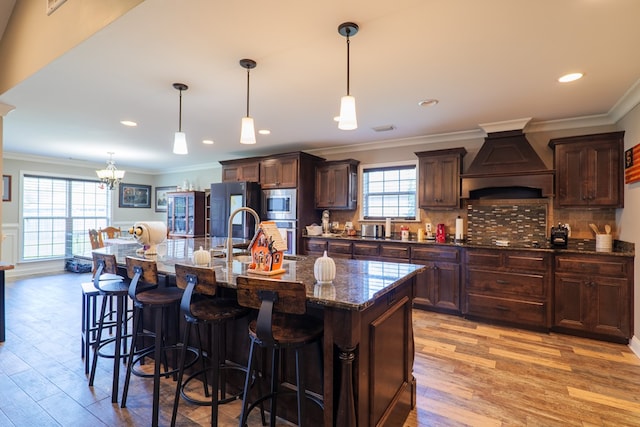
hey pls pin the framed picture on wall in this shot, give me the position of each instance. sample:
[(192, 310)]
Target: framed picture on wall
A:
[(161, 197), (6, 188), (135, 196)]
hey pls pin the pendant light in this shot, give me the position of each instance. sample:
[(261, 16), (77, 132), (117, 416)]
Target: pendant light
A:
[(247, 132), (110, 175), (348, 119), (180, 139)]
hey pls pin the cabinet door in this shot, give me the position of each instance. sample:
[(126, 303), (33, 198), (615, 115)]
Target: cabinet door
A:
[(609, 313), (241, 172), (571, 303), (589, 170), (279, 173), (336, 186), (325, 187), (439, 182)]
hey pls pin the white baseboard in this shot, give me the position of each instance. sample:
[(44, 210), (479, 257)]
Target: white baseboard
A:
[(634, 345)]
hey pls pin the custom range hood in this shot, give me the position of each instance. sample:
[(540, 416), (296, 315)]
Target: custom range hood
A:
[(507, 166)]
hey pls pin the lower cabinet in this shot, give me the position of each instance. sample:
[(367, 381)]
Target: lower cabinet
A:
[(593, 296), (437, 288), (508, 286)]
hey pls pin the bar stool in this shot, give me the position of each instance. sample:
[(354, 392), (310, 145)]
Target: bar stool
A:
[(281, 324), (109, 285), (89, 321), (145, 294), (200, 305)]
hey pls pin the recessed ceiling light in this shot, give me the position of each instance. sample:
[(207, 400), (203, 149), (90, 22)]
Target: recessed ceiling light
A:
[(207, 141), (264, 132), (570, 77), (428, 102), (128, 123), (384, 128)]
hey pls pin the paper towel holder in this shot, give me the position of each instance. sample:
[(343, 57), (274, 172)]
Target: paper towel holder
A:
[(459, 231)]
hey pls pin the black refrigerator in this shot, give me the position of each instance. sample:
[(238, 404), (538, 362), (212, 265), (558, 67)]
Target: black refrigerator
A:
[(225, 198)]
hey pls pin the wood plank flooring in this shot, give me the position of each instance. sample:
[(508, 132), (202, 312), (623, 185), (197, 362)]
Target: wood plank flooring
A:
[(468, 374)]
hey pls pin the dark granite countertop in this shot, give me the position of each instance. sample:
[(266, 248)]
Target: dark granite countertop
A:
[(575, 246), (358, 284)]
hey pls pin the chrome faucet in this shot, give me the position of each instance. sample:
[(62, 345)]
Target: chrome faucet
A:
[(230, 229)]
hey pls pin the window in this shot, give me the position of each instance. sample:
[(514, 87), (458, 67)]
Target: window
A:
[(389, 192), (57, 214)]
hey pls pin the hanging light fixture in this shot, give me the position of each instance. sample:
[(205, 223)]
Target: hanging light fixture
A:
[(248, 131), (180, 139), (348, 119), (110, 175)]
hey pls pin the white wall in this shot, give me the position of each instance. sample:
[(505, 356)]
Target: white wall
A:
[(627, 221)]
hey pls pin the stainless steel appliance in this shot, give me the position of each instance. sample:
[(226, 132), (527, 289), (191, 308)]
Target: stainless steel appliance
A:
[(289, 232), (279, 204), (227, 197), (372, 230)]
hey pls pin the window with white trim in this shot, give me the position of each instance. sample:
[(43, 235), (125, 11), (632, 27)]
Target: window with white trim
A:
[(389, 192), (57, 214)]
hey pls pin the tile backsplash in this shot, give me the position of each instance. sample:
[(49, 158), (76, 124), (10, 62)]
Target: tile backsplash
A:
[(522, 221)]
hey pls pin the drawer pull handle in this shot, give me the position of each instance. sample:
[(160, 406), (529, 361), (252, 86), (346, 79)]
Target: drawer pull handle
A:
[(502, 308), (502, 282)]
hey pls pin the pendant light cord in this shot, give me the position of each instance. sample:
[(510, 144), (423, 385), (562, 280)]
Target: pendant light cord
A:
[(348, 62), (248, 70), (180, 114)]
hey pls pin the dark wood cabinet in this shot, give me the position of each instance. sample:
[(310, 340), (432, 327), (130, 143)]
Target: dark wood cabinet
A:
[(438, 288), (186, 214), (508, 286), (439, 178), (314, 247), (279, 172), (594, 296), (589, 170), (337, 185), (240, 170)]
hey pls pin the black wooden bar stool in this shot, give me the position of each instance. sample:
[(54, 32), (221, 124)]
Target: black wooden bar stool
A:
[(146, 294), (281, 324), (113, 286), (201, 306)]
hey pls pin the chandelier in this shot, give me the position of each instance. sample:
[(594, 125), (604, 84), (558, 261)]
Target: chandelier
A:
[(110, 175)]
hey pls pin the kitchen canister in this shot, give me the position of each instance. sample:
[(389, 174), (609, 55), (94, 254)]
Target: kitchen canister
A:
[(324, 269), (604, 242), (201, 257)]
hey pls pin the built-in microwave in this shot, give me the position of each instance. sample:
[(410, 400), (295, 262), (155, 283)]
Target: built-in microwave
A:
[(279, 204)]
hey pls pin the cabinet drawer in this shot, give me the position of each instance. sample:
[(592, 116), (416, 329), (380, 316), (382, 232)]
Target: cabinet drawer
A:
[(336, 247), (366, 249), (485, 259), (608, 267), (506, 283), (526, 261), (394, 251), (315, 245), (507, 310), (434, 253)]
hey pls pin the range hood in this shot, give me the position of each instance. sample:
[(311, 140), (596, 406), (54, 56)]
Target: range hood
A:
[(507, 166)]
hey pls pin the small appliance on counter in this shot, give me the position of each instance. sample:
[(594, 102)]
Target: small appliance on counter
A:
[(372, 230), (559, 236), (441, 233)]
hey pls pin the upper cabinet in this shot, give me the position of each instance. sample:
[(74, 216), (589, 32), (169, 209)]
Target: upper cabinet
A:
[(439, 178), (240, 170), (279, 172), (589, 171), (337, 185)]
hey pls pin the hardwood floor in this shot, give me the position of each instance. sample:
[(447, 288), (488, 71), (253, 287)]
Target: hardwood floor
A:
[(467, 373)]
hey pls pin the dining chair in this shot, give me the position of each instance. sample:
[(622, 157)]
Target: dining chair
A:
[(96, 239), (110, 232)]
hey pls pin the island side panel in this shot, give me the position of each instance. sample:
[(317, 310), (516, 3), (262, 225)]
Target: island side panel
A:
[(372, 362)]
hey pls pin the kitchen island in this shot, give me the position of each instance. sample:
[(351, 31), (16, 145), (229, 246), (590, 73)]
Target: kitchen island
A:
[(368, 347)]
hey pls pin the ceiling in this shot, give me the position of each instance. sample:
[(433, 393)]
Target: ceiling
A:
[(485, 61)]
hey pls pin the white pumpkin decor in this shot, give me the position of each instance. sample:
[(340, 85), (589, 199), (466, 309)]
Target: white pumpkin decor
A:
[(201, 257), (324, 269)]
